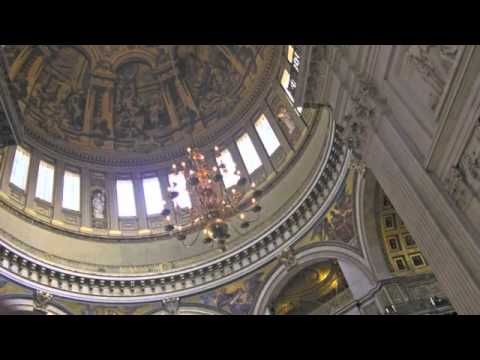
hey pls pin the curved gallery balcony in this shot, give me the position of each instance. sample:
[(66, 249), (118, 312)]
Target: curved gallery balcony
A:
[(140, 270)]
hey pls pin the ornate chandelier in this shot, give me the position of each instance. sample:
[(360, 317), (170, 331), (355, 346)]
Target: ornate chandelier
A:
[(213, 207)]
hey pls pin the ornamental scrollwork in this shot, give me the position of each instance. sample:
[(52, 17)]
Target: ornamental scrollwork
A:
[(434, 64), (41, 299), (366, 106), (457, 187), (287, 258), (471, 163), (171, 306)]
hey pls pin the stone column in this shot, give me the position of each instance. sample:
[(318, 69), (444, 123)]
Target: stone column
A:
[(449, 247), (58, 191), (164, 185), (357, 282), (262, 153), (110, 186), (30, 192), (9, 155), (140, 202), (85, 201)]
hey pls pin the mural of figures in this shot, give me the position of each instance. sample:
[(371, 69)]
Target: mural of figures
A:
[(337, 225), (131, 97), (237, 298)]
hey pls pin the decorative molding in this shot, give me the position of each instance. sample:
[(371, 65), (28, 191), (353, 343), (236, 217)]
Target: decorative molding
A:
[(457, 188), (171, 305), (287, 258), (41, 300)]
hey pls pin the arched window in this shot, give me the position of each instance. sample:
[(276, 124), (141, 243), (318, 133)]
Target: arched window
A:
[(21, 162), (249, 153), (153, 196), (267, 135), (228, 168), (126, 198), (46, 173), (71, 191)]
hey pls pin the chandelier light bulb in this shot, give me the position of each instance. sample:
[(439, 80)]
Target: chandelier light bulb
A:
[(215, 168), (189, 150), (254, 201), (216, 148), (174, 166), (242, 216), (184, 164), (253, 185)]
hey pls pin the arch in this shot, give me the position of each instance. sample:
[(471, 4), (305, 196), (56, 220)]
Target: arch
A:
[(190, 309), (25, 305), (365, 203), (133, 56), (308, 256)]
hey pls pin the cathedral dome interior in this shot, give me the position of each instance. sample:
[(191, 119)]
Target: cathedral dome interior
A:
[(231, 179)]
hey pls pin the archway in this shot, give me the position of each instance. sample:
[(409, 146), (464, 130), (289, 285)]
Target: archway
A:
[(361, 281)]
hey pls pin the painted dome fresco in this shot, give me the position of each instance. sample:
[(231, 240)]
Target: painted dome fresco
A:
[(125, 101)]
